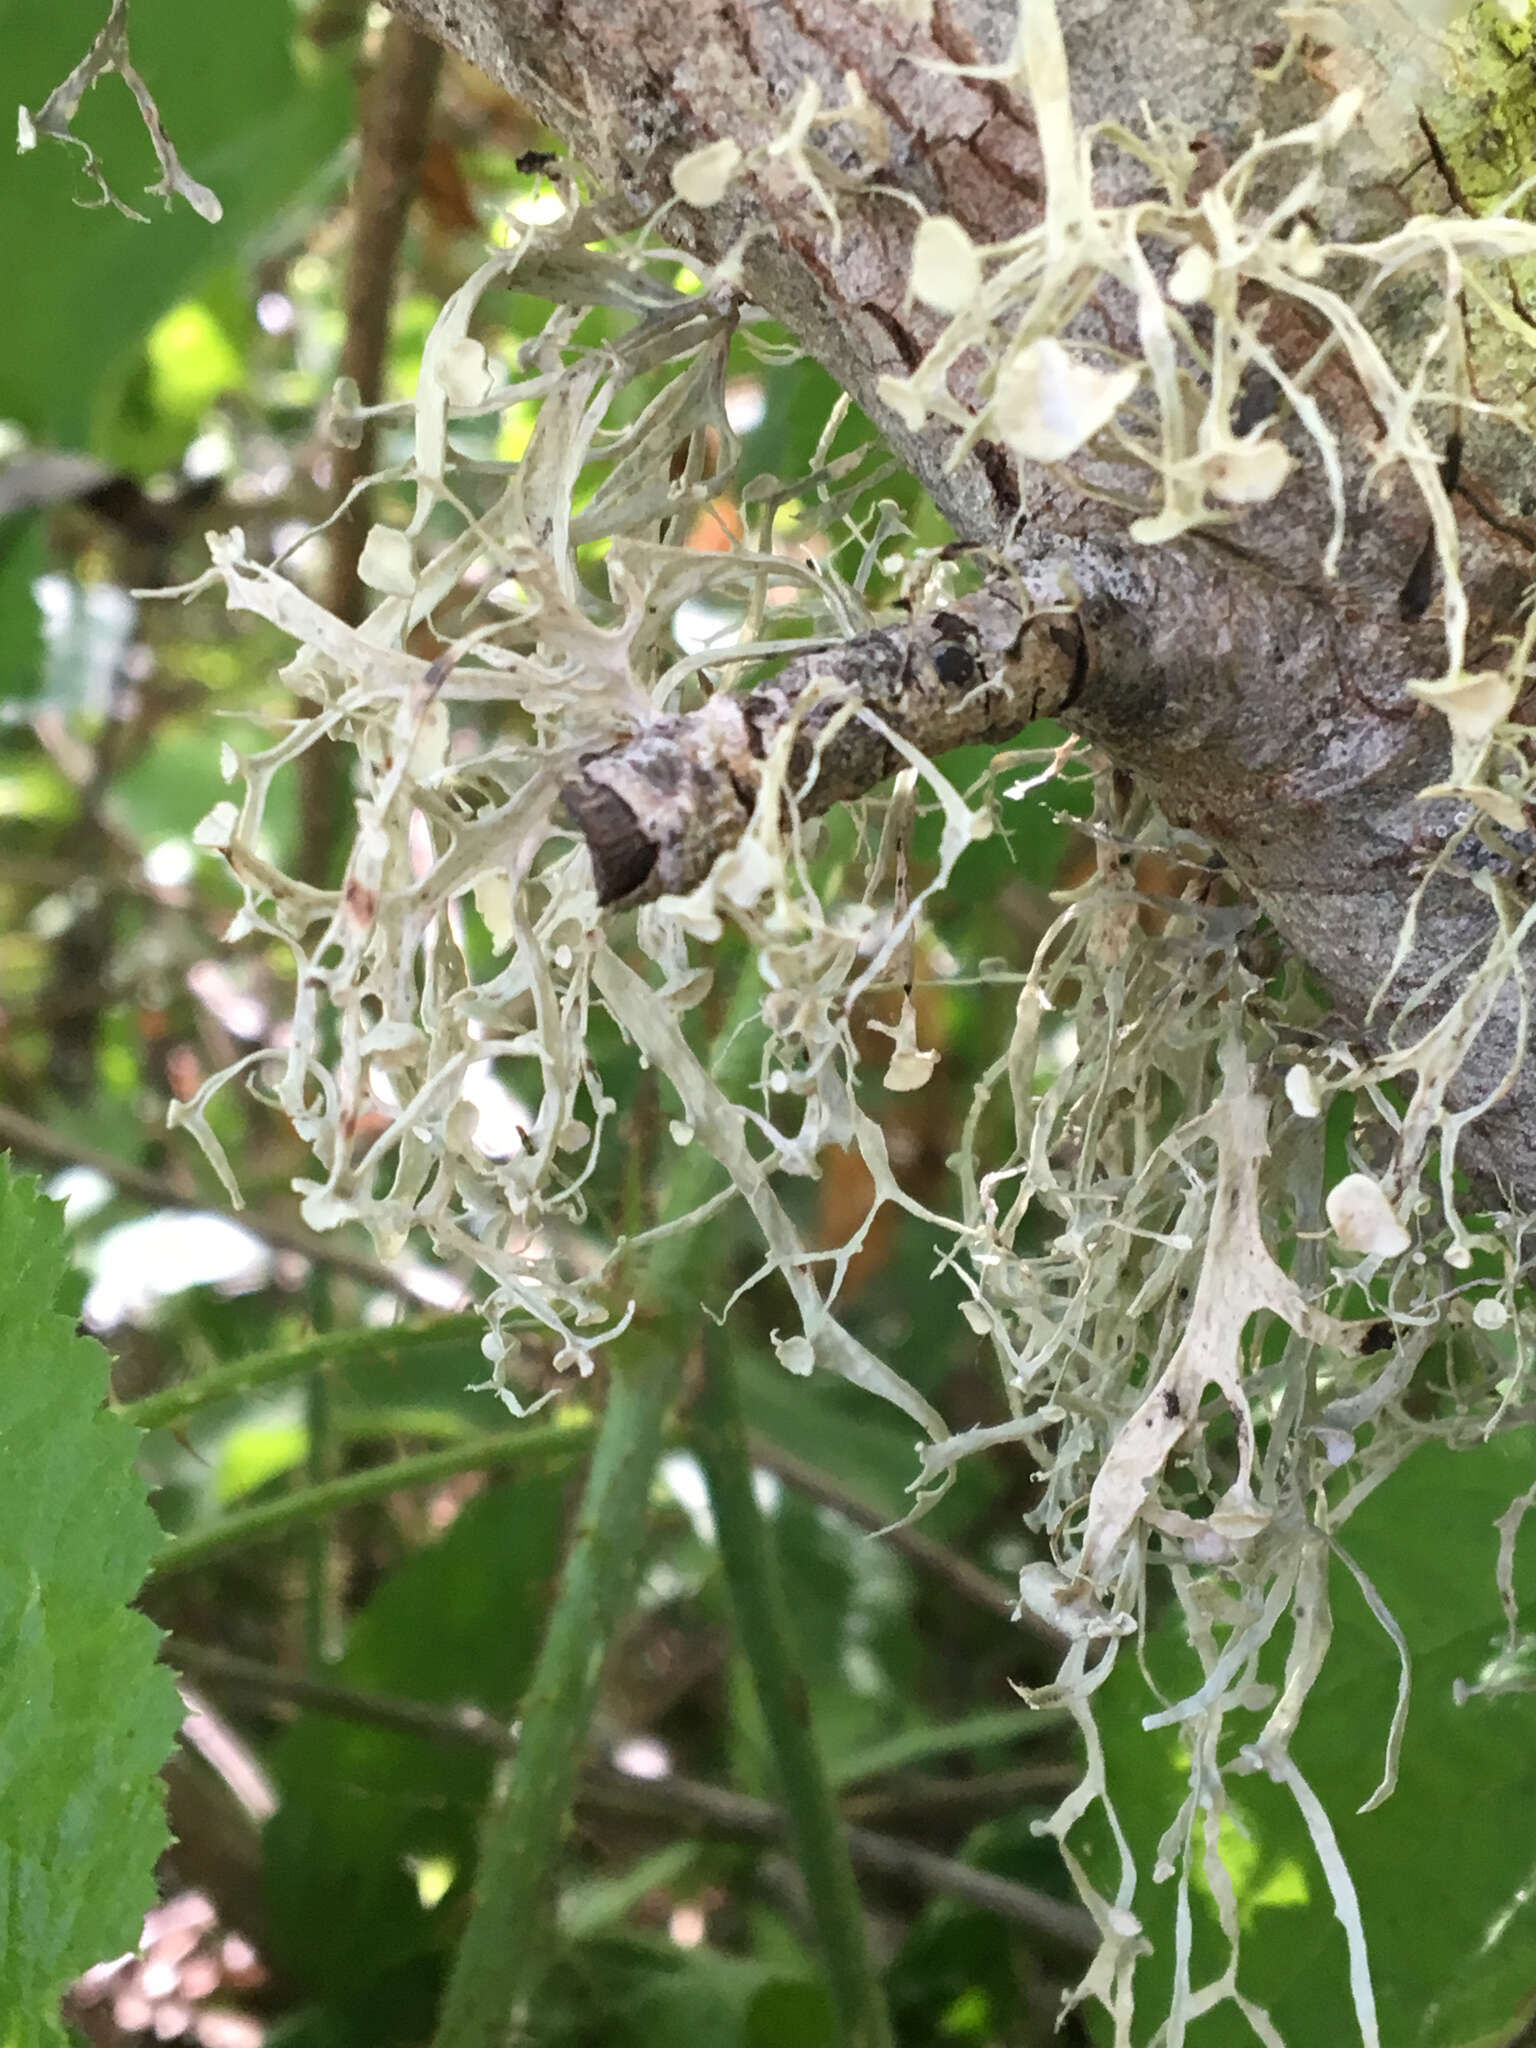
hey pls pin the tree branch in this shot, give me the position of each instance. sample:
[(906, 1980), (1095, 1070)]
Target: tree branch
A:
[(395, 109), (1260, 702), (658, 812), (973, 1585), (394, 118)]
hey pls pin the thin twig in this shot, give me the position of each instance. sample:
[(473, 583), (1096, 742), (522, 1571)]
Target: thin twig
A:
[(763, 1629), (258, 1369), (39, 1142), (686, 1802), (938, 1799), (660, 809), (969, 1581), (394, 117)]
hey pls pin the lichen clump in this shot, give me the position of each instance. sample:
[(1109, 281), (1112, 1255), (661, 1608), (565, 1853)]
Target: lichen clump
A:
[(1204, 1332)]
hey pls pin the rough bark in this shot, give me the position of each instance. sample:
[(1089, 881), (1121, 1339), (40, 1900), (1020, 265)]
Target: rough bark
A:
[(1261, 704), (659, 812)]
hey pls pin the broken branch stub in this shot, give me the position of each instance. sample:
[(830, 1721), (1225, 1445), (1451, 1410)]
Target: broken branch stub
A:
[(660, 810)]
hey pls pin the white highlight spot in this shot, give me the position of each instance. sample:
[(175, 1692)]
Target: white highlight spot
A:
[(141, 1264)]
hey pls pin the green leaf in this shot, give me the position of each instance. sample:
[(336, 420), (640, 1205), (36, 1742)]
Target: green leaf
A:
[(87, 1716), (728, 2002), (962, 1975), (599, 1903), (1000, 1729), (177, 779), (374, 1822), (262, 1446), (153, 402), (1443, 1868), (86, 283), (23, 558)]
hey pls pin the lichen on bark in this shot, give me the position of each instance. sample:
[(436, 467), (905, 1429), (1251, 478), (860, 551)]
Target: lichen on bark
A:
[(1159, 375)]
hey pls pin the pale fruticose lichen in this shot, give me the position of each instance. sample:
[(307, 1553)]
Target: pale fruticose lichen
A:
[(1161, 1252), (54, 119)]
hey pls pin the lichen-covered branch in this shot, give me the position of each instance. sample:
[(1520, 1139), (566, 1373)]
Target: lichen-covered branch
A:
[(1254, 672), (659, 812), (1208, 411)]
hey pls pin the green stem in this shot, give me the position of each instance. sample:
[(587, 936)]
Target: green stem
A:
[(556, 1443), (289, 1361), (319, 1425), (507, 1943), (762, 1624), (510, 1937), (319, 1466)]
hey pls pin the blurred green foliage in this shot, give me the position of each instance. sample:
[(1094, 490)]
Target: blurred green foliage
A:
[(246, 121), (94, 356)]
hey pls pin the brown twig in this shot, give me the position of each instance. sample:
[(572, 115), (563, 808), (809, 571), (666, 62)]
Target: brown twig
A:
[(924, 1798), (975, 1586), (394, 115), (685, 1802)]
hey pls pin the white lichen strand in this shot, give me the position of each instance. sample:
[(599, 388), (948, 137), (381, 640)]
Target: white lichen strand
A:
[(946, 264), (451, 810), (54, 119), (703, 177), (1238, 1277), (1363, 1219), (1242, 244), (1049, 403)]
